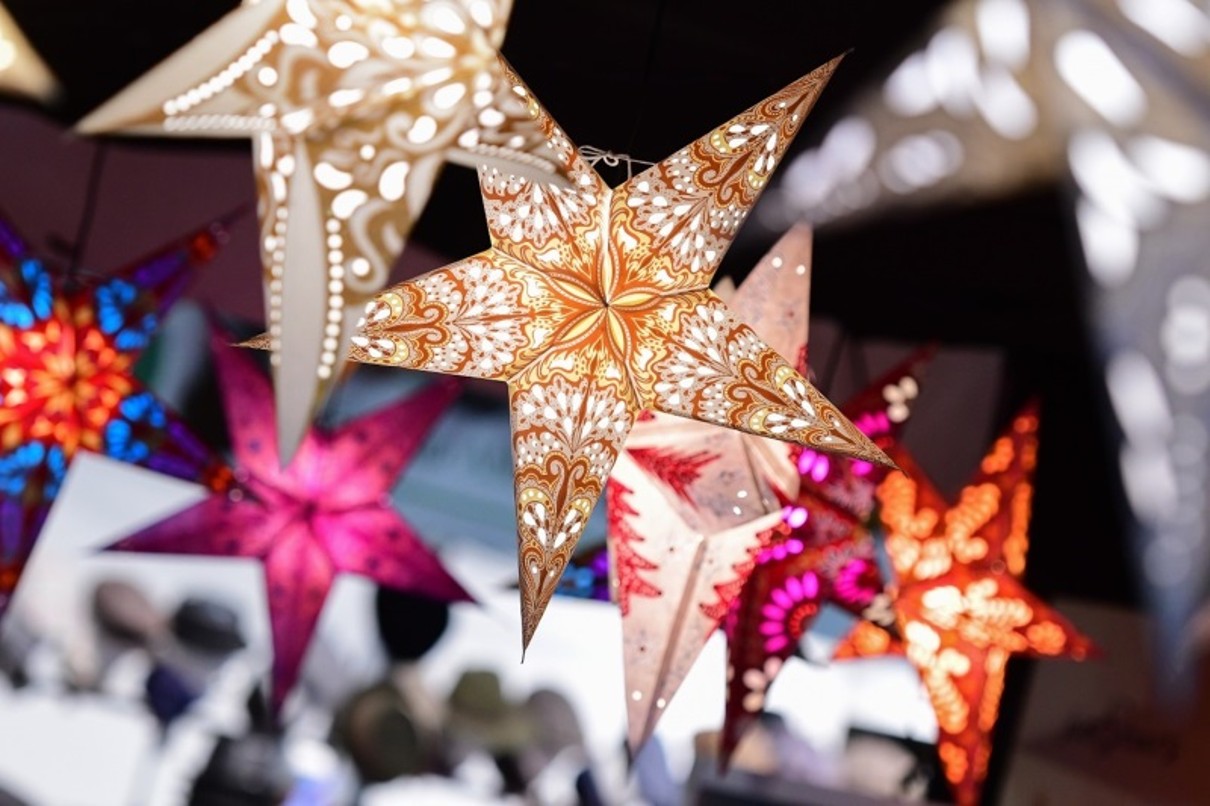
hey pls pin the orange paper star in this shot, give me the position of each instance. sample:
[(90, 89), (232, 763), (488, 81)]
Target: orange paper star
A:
[(593, 304), (960, 607)]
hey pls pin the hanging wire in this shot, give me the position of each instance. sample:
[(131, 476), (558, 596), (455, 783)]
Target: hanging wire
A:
[(594, 156), (92, 193), (598, 156)]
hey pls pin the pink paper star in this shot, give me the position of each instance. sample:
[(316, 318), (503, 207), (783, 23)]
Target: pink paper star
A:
[(325, 513)]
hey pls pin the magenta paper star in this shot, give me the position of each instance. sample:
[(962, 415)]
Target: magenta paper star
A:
[(325, 513)]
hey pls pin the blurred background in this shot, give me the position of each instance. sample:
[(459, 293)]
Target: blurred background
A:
[(1024, 182)]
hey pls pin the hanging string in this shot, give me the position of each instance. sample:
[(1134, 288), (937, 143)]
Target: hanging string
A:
[(92, 193), (595, 156)]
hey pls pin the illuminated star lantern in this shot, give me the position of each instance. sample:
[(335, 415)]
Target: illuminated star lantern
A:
[(327, 512), (820, 553), (21, 71), (593, 304), (353, 107), (960, 607), (1106, 97), (67, 354)]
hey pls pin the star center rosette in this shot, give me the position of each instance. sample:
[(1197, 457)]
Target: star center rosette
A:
[(324, 513), (68, 349), (352, 107), (961, 609)]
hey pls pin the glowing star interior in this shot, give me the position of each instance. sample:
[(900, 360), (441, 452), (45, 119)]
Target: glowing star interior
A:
[(327, 512), (960, 607), (21, 71), (353, 107), (820, 553), (593, 304), (67, 355)]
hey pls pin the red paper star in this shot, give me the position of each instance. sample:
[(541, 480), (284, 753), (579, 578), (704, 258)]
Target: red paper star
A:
[(326, 513), (960, 608), (821, 553)]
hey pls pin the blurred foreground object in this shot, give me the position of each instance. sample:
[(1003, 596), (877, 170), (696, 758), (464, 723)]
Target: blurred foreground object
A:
[(1109, 99)]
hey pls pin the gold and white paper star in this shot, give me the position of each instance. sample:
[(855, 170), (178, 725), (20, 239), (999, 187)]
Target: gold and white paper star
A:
[(353, 106), (593, 304)]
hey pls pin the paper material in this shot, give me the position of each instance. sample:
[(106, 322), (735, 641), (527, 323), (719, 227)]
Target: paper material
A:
[(326, 513), (353, 108), (67, 385), (960, 607), (1107, 98), (593, 305), (21, 71), (820, 553)]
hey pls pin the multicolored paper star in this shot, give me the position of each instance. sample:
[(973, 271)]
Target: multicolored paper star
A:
[(960, 607), (327, 512), (68, 348)]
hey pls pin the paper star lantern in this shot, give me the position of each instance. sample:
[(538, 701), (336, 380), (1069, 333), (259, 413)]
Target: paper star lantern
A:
[(353, 107), (593, 304), (1106, 98), (326, 513), (960, 607), (67, 354), (21, 71), (691, 504), (820, 553)]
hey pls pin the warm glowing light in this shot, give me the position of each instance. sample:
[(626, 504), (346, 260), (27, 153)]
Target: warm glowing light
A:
[(1091, 68), (1179, 24), (960, 608), (1004, 31), (67, 355)]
